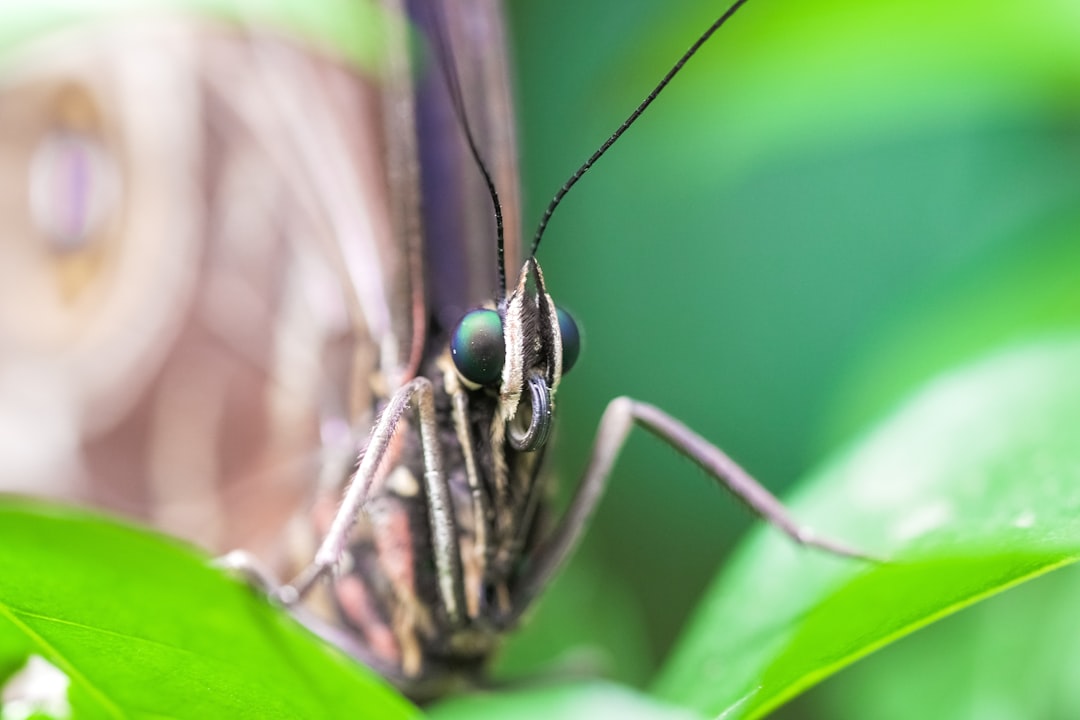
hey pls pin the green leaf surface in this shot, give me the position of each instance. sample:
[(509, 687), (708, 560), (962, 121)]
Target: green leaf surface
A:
[(972, 487), (579, 700), (966, 666), (144, 627)]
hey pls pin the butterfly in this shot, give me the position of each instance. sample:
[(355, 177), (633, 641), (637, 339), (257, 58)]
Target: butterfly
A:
[(333, 353)]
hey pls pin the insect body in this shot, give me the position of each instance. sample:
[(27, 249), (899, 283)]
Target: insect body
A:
[(445, 534)]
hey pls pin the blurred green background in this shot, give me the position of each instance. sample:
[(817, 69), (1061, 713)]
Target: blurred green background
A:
[(833, 203)]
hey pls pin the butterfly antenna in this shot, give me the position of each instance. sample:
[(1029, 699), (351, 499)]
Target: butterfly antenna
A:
[(628, 122), (449, 72)]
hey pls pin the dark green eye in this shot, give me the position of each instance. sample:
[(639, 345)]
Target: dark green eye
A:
[(478, 348), (571, 339)]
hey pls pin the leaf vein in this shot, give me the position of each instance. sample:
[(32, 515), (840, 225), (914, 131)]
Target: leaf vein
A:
[(13, 615)]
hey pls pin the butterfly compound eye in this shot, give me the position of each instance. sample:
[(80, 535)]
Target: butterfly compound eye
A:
[(478, 348), (571, 339)]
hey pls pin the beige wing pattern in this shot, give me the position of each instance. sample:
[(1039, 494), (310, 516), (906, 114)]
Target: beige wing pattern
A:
[(201, 272)]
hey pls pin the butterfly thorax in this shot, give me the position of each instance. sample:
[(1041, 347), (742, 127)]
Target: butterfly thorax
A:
[(388, 592)]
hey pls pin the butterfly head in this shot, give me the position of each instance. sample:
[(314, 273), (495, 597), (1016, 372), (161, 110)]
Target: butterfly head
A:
[(520, 350)]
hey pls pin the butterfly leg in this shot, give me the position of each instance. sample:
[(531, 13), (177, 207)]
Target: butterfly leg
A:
[(619, 417), (447, 555)]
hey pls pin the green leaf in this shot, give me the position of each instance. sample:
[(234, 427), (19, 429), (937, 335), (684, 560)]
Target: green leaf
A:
[(583, 700), (972, 487), (144, 627), (966, 666)]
